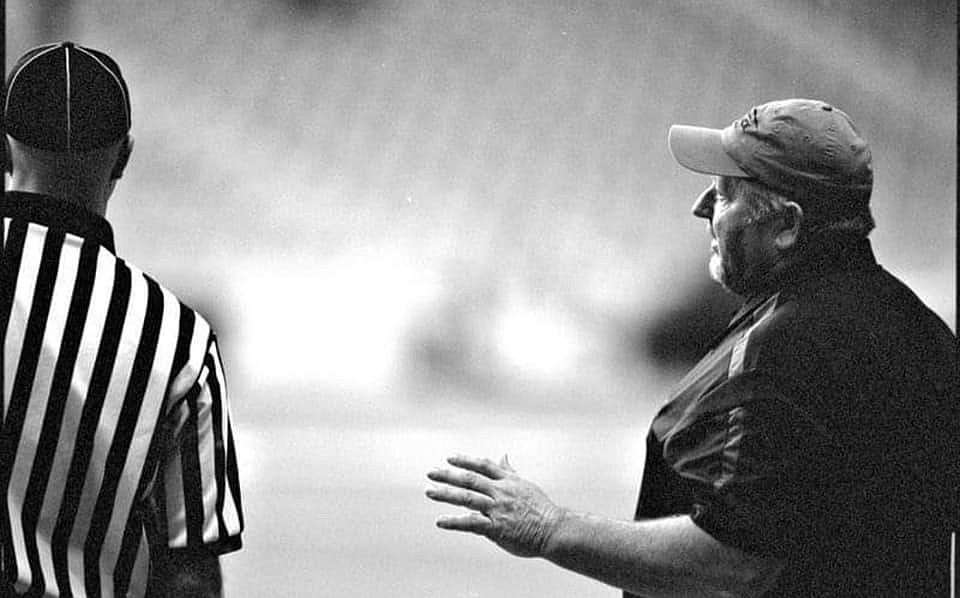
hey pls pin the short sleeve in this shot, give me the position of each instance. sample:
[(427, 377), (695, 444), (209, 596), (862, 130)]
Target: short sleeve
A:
[(762, 470), (198, 497)]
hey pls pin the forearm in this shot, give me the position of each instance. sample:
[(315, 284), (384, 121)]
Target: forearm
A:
[(657, 558), (185, 576)]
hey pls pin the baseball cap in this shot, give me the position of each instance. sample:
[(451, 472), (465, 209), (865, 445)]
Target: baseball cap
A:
[(805, 149), (66, 98)]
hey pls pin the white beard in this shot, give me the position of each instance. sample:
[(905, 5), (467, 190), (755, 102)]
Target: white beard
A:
[(716, 268)]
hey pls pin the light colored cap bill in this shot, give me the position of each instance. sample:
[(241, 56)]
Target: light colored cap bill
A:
[(701, 150)]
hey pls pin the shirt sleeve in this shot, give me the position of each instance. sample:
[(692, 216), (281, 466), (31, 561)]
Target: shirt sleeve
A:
[(199, 494), (761, 468)]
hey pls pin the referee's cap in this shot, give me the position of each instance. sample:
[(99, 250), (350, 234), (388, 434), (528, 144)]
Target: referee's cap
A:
[(805, 149), (66, 98)]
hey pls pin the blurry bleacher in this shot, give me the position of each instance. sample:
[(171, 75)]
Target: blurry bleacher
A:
[(396, 198)]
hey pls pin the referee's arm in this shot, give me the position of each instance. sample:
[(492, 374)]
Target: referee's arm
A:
[(198, 498), (186, 574)]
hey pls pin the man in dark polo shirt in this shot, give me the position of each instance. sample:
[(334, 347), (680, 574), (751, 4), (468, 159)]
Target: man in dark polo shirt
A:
[(814, 449)]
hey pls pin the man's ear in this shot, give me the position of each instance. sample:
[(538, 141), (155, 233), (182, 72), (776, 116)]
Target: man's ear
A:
[(791, 219), (123, 156)]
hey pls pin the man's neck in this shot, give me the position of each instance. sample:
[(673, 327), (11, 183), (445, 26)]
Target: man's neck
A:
[(91, 199), (815, 260)]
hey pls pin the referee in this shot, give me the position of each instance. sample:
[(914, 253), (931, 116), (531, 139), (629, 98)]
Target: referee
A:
[(117, 458)]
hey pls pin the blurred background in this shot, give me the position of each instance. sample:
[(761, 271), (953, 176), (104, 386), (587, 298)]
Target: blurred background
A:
[(426, 227)]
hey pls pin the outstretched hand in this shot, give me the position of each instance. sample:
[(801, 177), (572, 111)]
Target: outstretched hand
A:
[(509, 510)]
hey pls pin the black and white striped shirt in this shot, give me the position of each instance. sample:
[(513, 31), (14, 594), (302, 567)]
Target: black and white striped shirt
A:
[(116, 433)]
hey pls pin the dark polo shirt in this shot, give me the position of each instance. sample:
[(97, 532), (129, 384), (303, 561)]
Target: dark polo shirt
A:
[(821, 429)]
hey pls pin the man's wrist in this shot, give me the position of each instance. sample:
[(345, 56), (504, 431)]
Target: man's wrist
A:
[(560, 531)]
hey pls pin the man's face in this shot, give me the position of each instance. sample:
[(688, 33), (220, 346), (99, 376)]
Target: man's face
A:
[(742, 250)]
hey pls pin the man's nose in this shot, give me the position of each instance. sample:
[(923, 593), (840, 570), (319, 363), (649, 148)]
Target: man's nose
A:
[(703, 207)]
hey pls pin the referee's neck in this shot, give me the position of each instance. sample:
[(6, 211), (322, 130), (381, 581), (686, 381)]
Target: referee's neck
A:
[(92, 198)]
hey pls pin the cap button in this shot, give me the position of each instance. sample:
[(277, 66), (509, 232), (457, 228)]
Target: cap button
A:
[(67, 44)]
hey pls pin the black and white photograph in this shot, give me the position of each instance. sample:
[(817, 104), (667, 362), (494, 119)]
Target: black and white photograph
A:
[(479, 299)]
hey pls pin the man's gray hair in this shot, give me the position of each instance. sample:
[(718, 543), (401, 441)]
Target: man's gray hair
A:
[(765, 203)]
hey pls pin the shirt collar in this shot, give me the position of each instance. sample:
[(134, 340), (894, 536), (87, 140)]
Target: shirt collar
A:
[(58, 213)]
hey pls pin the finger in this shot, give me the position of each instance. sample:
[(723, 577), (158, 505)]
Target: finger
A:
[(484, 467), (471, 522), (462, 479), (505, 464), (460, 498)]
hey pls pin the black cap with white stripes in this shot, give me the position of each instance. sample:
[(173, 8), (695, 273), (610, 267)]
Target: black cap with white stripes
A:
[(66, 98)]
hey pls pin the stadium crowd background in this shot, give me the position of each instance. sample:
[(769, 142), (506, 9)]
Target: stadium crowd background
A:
[(424, 227)]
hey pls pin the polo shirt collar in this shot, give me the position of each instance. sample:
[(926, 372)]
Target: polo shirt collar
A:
[(58, 213)]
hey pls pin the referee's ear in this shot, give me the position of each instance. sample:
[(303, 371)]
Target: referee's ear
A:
[(123, 156)]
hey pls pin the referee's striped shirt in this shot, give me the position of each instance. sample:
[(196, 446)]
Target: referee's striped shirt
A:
[(116, 435)]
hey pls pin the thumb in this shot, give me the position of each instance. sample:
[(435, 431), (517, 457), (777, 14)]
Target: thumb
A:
[(505, 464)]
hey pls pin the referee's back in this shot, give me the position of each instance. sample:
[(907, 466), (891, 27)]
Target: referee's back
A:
[(116, 444)]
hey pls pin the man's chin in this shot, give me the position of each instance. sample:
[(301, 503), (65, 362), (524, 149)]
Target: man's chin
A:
[(729, 282), (733, 290)]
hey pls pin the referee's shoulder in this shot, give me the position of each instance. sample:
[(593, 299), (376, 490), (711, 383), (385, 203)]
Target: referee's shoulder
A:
[(171, 297), (197, 347)]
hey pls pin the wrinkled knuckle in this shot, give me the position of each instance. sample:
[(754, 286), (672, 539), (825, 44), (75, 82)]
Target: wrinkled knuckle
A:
[(470, 479)]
